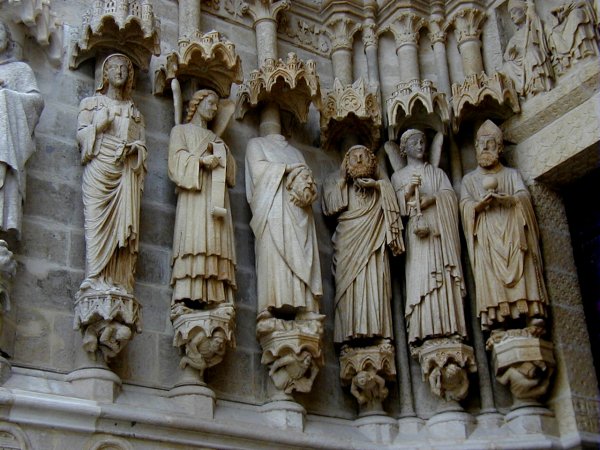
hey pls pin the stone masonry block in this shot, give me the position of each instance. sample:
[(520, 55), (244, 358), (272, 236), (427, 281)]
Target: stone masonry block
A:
[(563, 288), (154, 265), (63, 342), (246, 287), (169, 357), (155, 303), (157, 225), (233, 378), (245, 329), (557, 251), (77, 250), (44, 241), (56, 158), (55, 201), (32, 346), (138, 362)]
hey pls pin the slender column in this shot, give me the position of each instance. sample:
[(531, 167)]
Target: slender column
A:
[(467, 27), (341, 30), (437, 36), (370, 42), (189, 18), (265, 15), (406, 32), (270, 120)]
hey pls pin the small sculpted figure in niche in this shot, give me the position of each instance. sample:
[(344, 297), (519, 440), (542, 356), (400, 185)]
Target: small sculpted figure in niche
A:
[(204, 351), (111, 136), (527, 56), (293, 372), (502, 238), (434, 280), (368, 223), (572, 36), (369, 390), (203, 168), (280, 190), (20, 107)]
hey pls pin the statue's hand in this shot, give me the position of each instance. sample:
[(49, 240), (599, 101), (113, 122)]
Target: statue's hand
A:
[(291, 167), (210, 162), (485, 202), (104, 120), (504, 199), (427, 201), (366, 183)]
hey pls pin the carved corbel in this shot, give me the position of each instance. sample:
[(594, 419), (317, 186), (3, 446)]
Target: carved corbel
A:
[(203, 337), (365, 370), (522, 361), (131, 29), (354, 108), (292, 84), (292, 351)]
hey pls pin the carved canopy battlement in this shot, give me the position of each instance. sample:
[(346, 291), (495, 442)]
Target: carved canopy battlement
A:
[(130, 28), (292, 84), (208, 58)]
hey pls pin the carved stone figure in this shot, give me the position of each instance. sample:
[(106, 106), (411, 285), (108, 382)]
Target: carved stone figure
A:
[(368, 223), (202, 168), (369, 389), (113, 150), (434, 280), (20, 107), (111, 137), (527, 56), (502, 237), (280, 190), (572, 36)]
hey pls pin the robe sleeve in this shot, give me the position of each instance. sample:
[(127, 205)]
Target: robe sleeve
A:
[(400, 189), (184, 166), (335, 196), (391, 212), (467, 208), (86, 129)]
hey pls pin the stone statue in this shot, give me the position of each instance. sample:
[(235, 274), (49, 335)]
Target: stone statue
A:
[(572, 36), (280, 190), (434, 280), (113, 150), (20, 107), (527, 56), (202, 168), (502, 238), (368, 223)]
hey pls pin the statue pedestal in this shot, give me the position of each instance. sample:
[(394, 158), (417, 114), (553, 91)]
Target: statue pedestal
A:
[(203, 337), (489, 424), (108, 319), (197, 400), (292, 351), (522, 361), (531, 420), (95, 383), (410, 426), (284, 414), (456, 425), (378, 428)]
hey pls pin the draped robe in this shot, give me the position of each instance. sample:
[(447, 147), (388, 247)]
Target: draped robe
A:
[(20, 107), (112, 189), (503, 244), (434, 280), (368, 222), (287, 255), (203, 266)]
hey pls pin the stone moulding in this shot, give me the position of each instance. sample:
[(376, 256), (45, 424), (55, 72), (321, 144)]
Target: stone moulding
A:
[(496, 94), (204, 336), (107, 321), (292, 84), (130, 29), (41, 23), (407, 100), (445, 364), (208, 58), (292, 351), (353, 107), (522, 361)]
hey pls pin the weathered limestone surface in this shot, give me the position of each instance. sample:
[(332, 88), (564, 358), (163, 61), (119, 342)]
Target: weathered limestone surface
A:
[(40, 408)]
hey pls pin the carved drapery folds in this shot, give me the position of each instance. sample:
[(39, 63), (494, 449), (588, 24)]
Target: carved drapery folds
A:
[(353, 108), (207, 58), (297, 78), (129, 27)]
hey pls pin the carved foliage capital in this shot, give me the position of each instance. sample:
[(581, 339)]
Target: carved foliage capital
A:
[(265, 9), (467, 24), (369, 36), (341, 30), (437, 30), (406, 29)]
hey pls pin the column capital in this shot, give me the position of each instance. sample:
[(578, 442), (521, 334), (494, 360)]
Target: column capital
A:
[(467, 24), (406, 28), (265, 9), (437, 30), (369, 36), (341, 30)]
